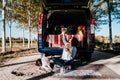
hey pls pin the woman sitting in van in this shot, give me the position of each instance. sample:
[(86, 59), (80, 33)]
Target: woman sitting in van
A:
[(80, 35)]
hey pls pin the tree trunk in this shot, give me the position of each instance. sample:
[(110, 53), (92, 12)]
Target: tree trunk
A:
[(29, 26), (3, 28), (10, 39), (110, 28), (23, 37), (29, 37)]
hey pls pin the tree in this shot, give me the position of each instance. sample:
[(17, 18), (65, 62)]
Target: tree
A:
[(17, 10), (100, 10), (10, 36), (9, 20), (30, 11), (3, 27), (25, 12), (23, 36)]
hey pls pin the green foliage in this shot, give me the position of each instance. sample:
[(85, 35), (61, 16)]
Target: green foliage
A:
[(0, 3), (98, 43), (99, 10), (103, 42), (18, 10)]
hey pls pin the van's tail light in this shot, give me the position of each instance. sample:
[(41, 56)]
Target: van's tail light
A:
[(40, 23), (41, 18), (40, 31), (92, 32)]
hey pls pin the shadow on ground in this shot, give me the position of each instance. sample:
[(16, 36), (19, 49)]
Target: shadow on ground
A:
[(96, 67), (16, 64), (30, 69)]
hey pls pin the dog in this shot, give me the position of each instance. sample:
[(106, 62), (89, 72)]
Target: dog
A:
[(45, 60), (38, 62)]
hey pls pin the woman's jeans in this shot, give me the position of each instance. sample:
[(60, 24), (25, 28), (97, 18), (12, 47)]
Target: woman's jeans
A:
[(62, 62)]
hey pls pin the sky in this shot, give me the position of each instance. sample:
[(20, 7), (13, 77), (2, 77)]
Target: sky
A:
[(105, 30), (16, 32)]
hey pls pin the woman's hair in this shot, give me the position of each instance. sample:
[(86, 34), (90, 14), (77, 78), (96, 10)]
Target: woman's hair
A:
[(74, 41)]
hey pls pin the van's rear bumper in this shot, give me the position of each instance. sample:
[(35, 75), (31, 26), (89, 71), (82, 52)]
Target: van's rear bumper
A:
[(51, 51), (57, 51)]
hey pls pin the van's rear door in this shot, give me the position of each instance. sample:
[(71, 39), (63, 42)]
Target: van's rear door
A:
[(66, 2)]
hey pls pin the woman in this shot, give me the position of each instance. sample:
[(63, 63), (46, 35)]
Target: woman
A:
[(80, 35), (69, 52)]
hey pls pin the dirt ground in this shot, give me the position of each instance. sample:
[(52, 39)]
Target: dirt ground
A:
[(103, 67), (7, 70)]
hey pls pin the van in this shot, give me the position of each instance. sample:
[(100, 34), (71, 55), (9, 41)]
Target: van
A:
[(68, 14)]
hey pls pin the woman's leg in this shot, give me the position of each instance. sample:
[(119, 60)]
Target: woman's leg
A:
[(58, 61)]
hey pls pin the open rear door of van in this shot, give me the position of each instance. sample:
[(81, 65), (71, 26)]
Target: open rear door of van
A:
[(66, 2)]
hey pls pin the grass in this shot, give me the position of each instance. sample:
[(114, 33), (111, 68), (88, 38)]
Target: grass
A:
[(17, 51)]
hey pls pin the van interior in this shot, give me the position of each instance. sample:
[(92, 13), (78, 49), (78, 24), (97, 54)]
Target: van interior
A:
[(69, 18)]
